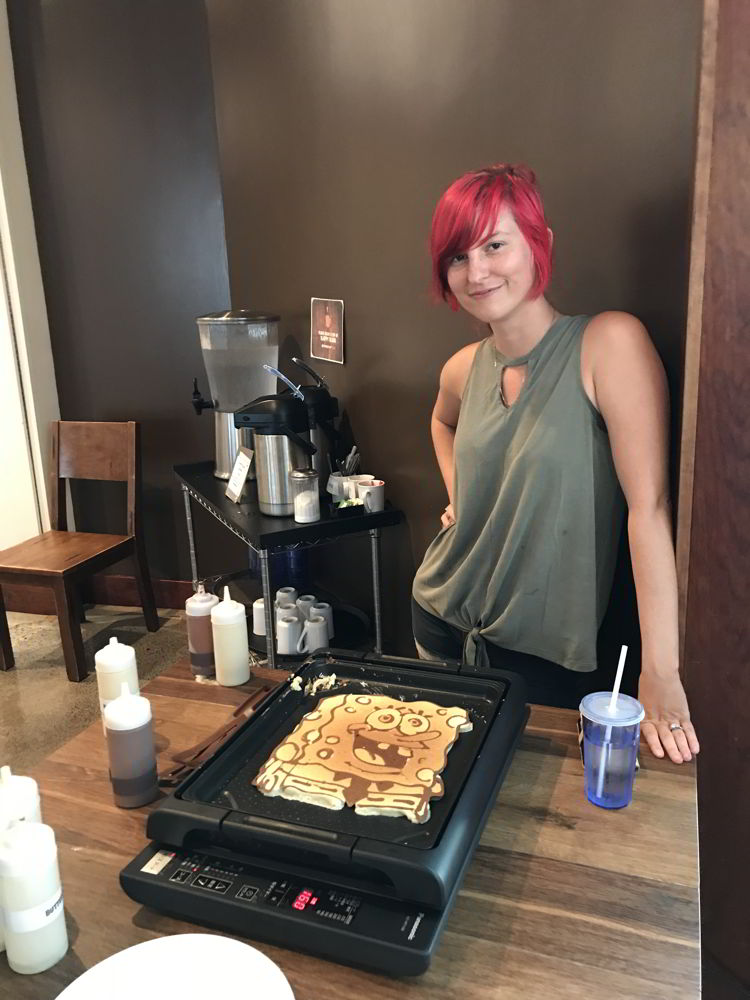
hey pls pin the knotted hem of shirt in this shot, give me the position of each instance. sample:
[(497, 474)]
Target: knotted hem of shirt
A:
[(475, 649)]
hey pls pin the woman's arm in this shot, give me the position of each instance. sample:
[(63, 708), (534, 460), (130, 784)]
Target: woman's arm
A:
[(443, 437), (445, 415), (631, 394)]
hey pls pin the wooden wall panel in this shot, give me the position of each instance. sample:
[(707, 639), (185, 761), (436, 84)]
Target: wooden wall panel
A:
[(692, 350), (717, 641)]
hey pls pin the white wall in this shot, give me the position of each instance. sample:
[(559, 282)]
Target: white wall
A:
[(28, 391), (19, 514)]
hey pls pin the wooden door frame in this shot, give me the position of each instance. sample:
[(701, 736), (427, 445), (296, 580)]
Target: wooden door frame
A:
[(692, 354)]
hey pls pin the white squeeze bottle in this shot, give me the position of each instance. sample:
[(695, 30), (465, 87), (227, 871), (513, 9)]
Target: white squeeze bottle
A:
[(19, 800), (19, 797), (115, 665), (31, 898), (231, 650)]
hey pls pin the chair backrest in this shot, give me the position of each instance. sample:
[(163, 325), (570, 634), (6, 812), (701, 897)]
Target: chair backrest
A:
[(94, 450)]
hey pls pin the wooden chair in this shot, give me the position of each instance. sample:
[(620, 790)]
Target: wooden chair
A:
[(59, 558)]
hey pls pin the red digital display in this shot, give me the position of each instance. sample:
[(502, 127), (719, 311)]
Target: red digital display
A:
[(303, 899)]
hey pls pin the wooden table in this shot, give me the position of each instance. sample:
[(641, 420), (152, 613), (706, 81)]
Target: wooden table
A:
[(562, 899)]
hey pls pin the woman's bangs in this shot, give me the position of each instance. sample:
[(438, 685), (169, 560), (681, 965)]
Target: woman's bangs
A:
[(474, 220)]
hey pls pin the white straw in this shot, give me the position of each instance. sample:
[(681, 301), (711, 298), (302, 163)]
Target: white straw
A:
[(608, 735), (618, 680)]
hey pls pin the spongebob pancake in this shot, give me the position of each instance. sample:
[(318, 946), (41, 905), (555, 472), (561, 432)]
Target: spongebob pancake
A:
[(381, 756)]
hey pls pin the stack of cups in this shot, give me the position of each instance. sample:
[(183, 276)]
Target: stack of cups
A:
[(200, 635), (132, 757), (31, 898), (302, 623), (259, 617), (287, 613), (322, 609), (19, 802), (115, 665)]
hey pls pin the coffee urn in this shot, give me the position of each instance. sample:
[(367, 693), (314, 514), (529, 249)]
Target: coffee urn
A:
[(235, 344), (282, 444)]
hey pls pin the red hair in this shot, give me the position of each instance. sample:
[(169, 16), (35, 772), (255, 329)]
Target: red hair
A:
[(470, 206)]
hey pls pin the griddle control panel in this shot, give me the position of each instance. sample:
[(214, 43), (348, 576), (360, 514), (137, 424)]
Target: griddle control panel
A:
[(261, 894), (303, 911)]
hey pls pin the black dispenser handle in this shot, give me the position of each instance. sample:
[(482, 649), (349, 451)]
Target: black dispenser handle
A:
[(319, 380), (307, 446), (199, 403)]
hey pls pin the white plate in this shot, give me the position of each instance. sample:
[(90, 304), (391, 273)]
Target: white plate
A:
[(186, 966)]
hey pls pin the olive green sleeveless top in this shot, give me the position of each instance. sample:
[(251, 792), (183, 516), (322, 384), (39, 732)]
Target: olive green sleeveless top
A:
[(528, 565)]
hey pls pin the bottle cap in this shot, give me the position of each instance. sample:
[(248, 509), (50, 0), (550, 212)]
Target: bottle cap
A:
[(628, 711), (227, 612), (19, 797), (26, 848), (200, 603), (127, 711), (114, 656)]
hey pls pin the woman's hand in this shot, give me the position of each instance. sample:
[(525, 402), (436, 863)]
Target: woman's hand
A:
[(447, 518), (663, 698)]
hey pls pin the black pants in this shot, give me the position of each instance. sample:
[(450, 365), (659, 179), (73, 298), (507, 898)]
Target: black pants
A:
[(548, 683)]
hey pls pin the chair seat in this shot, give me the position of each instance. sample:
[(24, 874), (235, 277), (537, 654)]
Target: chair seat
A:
[(56, 553)]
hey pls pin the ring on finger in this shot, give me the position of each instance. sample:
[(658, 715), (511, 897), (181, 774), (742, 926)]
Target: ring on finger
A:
[(676, 736)]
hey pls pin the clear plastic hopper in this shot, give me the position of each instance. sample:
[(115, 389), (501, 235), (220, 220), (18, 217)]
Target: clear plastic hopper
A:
[(236, 345)]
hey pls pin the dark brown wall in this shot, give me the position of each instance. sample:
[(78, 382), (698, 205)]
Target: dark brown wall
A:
[(717, 647), (118, 123), (339, 125)]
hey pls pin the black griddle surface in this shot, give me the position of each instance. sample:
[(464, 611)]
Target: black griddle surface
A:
[(226, 782)]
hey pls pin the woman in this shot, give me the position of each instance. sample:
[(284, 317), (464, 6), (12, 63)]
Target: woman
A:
[(539, 430)]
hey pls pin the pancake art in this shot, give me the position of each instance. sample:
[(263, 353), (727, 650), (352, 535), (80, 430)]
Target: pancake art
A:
[(381, 756)]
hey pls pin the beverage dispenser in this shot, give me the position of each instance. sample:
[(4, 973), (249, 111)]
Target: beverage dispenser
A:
[(235, 345)]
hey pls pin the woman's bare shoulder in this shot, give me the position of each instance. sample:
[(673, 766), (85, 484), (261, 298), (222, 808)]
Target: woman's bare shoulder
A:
[(615, 325), (610, 334), (617, 347), (456, 369)]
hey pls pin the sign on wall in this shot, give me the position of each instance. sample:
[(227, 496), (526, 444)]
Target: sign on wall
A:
[(327, 330)]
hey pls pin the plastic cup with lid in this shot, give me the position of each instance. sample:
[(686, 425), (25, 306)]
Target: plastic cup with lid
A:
[(610, 747)]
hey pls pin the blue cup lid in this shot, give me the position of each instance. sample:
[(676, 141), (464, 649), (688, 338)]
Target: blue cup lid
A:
[(628, 711)]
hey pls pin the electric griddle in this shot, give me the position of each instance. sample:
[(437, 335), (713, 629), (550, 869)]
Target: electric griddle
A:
[(362, 890)]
